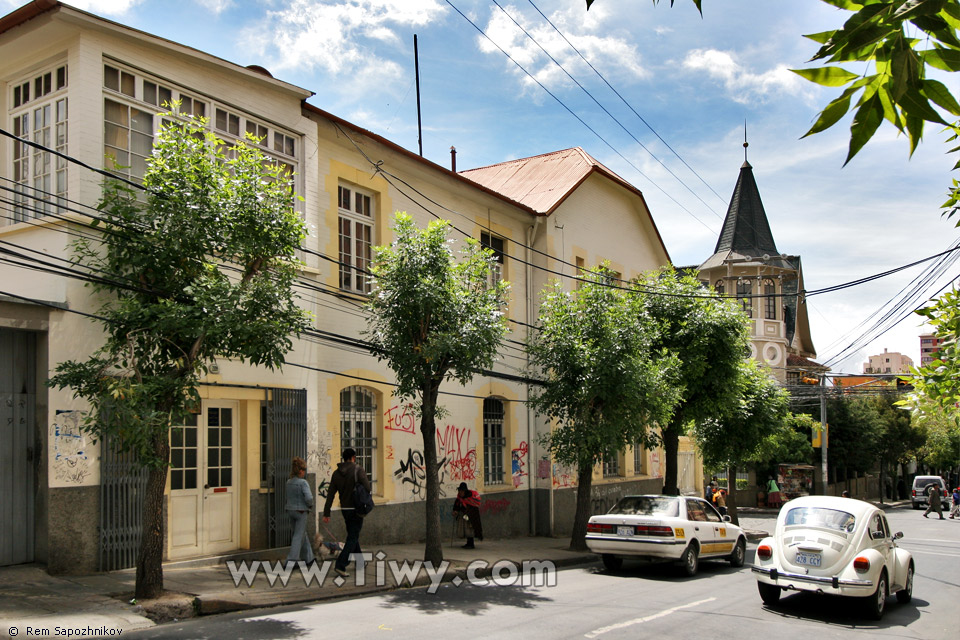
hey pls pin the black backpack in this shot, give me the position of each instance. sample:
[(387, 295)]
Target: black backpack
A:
[(362, 500)]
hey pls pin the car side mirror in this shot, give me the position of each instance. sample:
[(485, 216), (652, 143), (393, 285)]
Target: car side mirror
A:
[(898, 535), (727, 519)]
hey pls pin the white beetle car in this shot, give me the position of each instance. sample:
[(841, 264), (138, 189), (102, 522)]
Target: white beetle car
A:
[(675, 528), (837, 546)]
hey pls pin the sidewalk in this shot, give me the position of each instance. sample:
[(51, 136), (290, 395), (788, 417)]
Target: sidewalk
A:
[(29, 597)]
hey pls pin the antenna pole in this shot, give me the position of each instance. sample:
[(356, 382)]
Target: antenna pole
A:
[(416, 66)]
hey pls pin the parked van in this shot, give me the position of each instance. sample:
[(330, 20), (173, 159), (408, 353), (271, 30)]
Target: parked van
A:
[(921, 485)]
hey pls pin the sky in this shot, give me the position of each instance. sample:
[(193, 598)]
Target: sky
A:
[(669, 117)]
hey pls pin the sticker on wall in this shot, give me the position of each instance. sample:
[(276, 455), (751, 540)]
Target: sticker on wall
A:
[(71, 462)]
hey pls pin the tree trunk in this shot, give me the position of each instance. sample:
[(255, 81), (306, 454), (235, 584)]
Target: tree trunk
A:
[(578, 540), (149, 581), (671, 445), (731, 500), (433, 549)]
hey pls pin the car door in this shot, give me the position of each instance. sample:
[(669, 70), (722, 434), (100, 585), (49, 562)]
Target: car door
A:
[(700, 528), (723, 538), (882, 540)]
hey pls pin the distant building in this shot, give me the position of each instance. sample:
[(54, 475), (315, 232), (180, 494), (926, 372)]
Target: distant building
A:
[(929, 345), (888, 362)]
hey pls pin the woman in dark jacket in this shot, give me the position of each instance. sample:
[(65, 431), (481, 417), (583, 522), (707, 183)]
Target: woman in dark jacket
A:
[(467, 507), (299, 503)]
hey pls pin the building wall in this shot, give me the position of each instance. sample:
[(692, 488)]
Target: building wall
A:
[(600, 221), (888, 362)]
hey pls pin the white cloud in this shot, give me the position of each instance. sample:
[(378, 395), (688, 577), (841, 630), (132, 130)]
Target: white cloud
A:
[(742, 84), (338, 38), (216, 6), (614, 56), (109, 7)]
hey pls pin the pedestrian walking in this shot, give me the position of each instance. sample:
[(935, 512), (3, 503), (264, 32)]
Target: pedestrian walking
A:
[(955, 511), (933, 501), (711, 489), (466, 509), (299, 504), (342, 482)]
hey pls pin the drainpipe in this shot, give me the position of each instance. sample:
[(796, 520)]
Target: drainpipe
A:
[(531, 452)]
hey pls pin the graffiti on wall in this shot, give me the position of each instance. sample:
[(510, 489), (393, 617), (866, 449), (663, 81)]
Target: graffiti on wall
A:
[(519, 462), (412, 474), (71, 463), (320, 461), (563, 477), (400, 418), (656, 463), (494, 507), (453, 445)]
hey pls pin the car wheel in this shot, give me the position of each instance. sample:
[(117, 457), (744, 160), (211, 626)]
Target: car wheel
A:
[(875, 603), (916, 505), (905, 595), (769, 593), (739, 553), (612, 562), (690, 559)]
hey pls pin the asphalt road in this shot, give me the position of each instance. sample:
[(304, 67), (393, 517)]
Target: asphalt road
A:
[(641, 601)]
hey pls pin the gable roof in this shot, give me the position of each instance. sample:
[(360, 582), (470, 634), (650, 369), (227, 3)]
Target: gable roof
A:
[(545, 181)]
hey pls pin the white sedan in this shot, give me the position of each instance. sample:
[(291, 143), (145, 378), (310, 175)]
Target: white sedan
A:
[(677, 528), (837, 546)]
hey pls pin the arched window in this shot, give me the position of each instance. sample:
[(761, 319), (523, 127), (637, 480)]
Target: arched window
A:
[(358, 419), (719, 287), (770, 302), (494, 441), (744, 291)]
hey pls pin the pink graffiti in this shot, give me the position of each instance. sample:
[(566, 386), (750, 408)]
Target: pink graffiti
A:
[(494, 506), (561, 478), (404, 421), (454, 445)]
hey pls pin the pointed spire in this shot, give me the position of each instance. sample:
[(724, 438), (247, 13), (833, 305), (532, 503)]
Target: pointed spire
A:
[(746, 229), (745, 143)]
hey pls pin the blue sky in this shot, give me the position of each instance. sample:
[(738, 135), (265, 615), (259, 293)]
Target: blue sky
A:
[(693, 80)]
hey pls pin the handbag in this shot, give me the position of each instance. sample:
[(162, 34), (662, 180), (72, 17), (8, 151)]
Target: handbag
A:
[(362, 500)]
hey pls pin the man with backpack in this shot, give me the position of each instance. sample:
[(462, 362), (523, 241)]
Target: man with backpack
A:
[(343, 482)]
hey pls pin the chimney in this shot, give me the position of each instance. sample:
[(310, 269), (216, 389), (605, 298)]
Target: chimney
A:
[(453, 159)]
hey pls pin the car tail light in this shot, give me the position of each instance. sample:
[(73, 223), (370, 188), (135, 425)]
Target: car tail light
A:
[(764, 552), (654, 530), (861, 564), (597, 527)]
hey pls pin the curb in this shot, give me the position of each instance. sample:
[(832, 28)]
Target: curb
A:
[(225, 602)]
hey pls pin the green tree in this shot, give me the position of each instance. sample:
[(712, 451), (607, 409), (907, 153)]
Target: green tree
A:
[(789, 443), (899, 438), (434, 318), (853, 435), (710, 337), (940, 379), (940, 426), (200, 266), (733, 438), (605, 382)]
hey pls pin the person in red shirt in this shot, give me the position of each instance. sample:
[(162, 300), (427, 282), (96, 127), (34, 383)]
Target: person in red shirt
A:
[(467, 508)]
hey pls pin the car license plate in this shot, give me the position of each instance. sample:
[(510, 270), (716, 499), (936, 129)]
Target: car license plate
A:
[(625, 531), (809, 559)]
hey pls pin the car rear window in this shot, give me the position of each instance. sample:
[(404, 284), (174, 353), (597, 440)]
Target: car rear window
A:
[(647, 506), (820, 517)]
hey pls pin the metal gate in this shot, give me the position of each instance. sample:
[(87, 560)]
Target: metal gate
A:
[(17, 445), (687, 480), (123, 485), (286, 438)]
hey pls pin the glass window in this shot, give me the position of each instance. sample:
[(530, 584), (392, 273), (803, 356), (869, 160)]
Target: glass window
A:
[(611, 464), (494, 442), (356, 239), (719, 286), (497, 245), (639, 459), (770, 301), (648, 506), (695, 510), (820, 517), (744, 291), (127, 138), (358, 415)]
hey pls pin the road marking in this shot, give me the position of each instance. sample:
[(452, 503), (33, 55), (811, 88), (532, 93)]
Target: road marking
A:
[(629, 623), (927, 540), (935, 553)]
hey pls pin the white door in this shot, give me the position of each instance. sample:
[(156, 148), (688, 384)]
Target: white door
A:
[(687, 478), (204, 501)]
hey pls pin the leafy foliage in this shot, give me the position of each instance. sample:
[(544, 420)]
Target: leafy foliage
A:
[(202, 268), (853, 433), (939, 381), (434, 317), (790, 443), (710, 336), (734, 437), (939, 427), (605, 381)]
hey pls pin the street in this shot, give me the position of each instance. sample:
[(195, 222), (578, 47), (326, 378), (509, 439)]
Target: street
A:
[(640, 601)]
